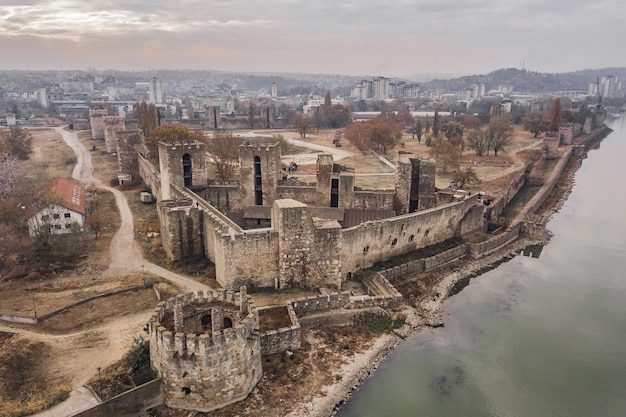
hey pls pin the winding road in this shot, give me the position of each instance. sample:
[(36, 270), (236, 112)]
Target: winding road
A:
[(77, 355)]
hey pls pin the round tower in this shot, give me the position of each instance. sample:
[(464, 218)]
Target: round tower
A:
[(207, 349)]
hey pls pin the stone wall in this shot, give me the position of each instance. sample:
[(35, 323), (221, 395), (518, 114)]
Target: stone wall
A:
[(182, 165), (320, 303), (151, 176), (95, 121), (268, 164), (112, 124), (129, 146), (379, 199), (493, 212), (133, 401), (478, 250), (308, 249), (374, 241), (283, 339)]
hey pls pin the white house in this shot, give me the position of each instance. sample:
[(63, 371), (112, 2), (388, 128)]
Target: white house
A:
[(65, 214)]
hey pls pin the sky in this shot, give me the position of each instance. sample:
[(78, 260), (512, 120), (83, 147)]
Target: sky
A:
[(352, 37)]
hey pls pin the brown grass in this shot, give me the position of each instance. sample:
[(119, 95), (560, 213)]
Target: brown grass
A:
[(25, 386)]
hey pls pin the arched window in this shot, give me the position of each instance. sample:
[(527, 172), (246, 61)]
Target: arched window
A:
[(187, 173), (228, 323), (258, 183)]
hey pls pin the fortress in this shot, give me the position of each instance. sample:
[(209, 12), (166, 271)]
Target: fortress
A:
[(268, 231)]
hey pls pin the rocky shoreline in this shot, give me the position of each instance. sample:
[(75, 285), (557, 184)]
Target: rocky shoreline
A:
[(429, 314)]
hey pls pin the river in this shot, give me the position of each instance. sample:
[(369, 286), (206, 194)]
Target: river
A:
[(537, 336)]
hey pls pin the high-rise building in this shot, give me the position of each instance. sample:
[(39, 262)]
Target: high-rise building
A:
[(156, 93)]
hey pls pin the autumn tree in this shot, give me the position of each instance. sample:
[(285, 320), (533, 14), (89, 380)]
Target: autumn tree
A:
[(535, 124), (384, 134), (427, 125), (556, 115), (336, 116), (224, 148), (302, 123), (169, 134), (358, 134), (470, 122), (452, 129), (147, 118), (16, 141), (447, 156)]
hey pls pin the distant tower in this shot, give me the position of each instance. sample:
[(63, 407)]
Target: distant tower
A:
[(156, 93), (274, 90)]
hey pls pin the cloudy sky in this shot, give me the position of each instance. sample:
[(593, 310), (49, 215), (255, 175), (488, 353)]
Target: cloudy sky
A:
[(357, 37)]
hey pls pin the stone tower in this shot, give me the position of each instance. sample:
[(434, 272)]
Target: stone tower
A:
[(260, 173), (112, 124), (214, 117), (95, 120), (207, 349), (182, 164), (415, 184), (324, 174), (308, 249), (129, 143)]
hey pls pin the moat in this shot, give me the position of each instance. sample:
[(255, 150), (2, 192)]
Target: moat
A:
[(536, 336)]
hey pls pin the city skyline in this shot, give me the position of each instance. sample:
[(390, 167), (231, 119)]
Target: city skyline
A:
[(397, 38)]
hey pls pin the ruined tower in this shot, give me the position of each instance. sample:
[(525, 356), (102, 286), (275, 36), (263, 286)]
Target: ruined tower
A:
[(308, 249), (207, 349), (415, 184), (260, 173), (129, 144), (182, 164), (112, 124), (95, 120)]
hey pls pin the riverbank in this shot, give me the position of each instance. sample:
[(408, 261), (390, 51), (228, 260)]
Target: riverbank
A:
[(450, 279)]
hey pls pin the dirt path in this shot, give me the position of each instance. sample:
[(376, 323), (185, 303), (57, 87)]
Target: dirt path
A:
[(75, 356)]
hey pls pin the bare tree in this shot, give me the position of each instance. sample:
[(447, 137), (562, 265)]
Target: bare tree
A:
[(16, 141), (465, 176), (224, 148), (302, 123), (478, 141), (500, 135)]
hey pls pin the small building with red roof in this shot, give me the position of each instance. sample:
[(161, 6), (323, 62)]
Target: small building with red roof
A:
[(66, 211)]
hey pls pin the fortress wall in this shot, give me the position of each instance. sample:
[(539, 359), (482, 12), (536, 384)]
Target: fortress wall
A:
[(151, 176), (250, 258), (223, 197), (319, 303), (112, 124), (95, 120), (382, 199), (373, 241), (477, 250), (285, 338), (498, 205), (539, 198), (445, 257), (306, 194)]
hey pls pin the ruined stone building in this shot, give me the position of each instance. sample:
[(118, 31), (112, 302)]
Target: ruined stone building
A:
[(266, 230)]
